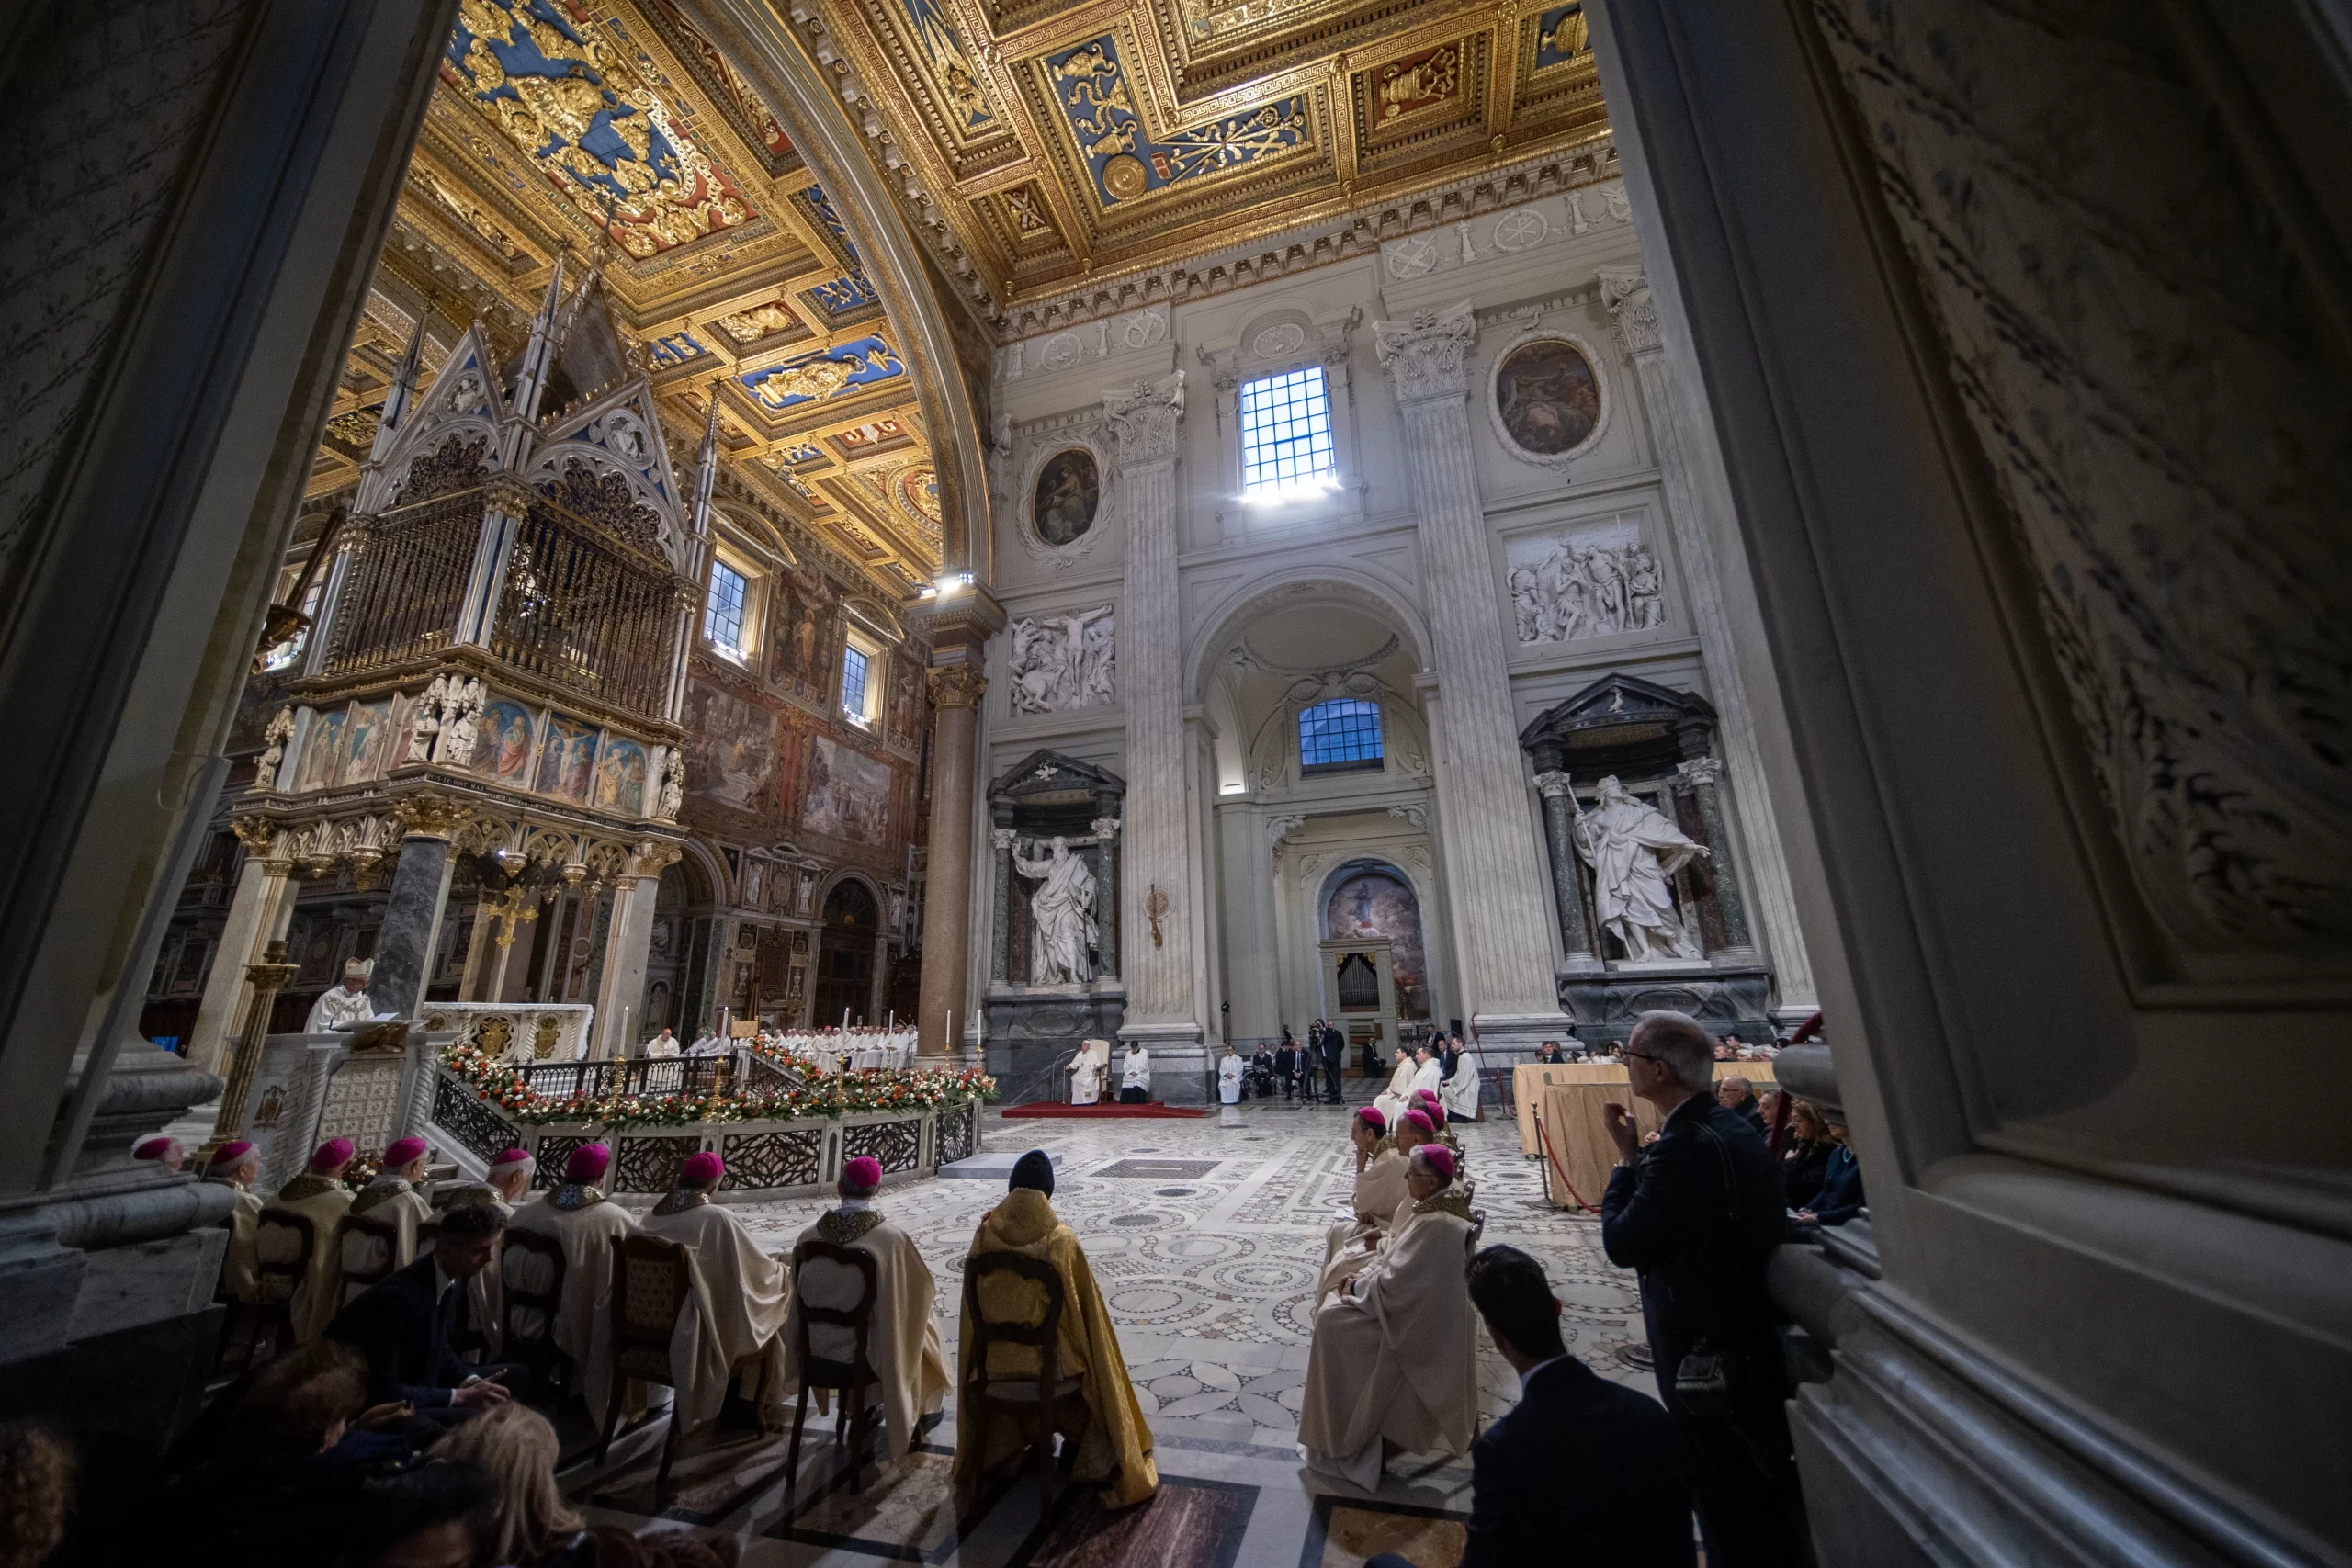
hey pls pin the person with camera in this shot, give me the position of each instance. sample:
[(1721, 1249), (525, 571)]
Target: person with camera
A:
[(1697, 1214)]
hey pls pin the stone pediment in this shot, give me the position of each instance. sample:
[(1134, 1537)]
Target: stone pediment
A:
[(1615, 713), (1047, 777)]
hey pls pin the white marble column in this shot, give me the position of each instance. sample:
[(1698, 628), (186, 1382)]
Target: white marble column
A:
[(1497, 868), (627, 939), (1756, 839), (263, 891), (1158, 916)]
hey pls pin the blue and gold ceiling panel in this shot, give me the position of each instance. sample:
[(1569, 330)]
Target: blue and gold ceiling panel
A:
[(837, 371), (1126, 162)]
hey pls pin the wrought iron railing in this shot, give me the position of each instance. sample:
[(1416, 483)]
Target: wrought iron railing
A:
[(586, 612), (407, 584), (656, 1075), (460, 1112)]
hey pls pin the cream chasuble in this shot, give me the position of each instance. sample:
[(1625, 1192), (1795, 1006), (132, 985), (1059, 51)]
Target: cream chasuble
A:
[(1115, 1452), (583, 1222), (1394, 1353), (1398, 1097), (1428, 1075), (1379, 1194), (902, 1341), (385, 1198), (323, 1201), (749, 1293), (237, 1279)]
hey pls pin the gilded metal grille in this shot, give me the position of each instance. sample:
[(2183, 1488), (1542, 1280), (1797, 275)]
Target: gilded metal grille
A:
[(770, 1159), (586, 614), (897, 1144), (407, 584)]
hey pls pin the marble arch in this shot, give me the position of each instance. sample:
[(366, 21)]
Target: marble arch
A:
[(1354, 590)]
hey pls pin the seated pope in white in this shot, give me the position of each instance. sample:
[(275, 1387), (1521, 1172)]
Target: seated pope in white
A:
[(1392, 1365), (1087, 1071), (902, 1343)]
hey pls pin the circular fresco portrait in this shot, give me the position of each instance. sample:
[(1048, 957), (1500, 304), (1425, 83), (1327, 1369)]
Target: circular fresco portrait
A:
[(1070, 489), (1546, 397)]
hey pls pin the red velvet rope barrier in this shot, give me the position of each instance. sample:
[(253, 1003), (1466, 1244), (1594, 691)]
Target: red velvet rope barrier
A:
[(1543, 1136)]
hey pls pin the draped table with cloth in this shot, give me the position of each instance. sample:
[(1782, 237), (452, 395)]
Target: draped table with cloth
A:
[(1568, 1098)]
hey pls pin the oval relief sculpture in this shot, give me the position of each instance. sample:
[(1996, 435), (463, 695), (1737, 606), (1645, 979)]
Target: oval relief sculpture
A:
[(1069, 490), (1547, 397)]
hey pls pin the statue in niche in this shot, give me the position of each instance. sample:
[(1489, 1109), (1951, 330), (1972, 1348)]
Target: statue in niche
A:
[(1062, 914), (1633, 850)]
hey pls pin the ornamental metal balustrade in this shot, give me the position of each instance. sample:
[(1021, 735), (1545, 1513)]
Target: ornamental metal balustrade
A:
[(407, 584), (651, 1078)]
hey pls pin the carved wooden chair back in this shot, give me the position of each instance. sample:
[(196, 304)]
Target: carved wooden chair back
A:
[(653, 1282), (371, 1251), (1044, 1402), (283, 1241), (817, 1267)]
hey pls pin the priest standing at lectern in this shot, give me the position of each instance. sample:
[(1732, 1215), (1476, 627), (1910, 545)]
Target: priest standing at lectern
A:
[(347, 1003), (1135, 1075), (1086, 1074)]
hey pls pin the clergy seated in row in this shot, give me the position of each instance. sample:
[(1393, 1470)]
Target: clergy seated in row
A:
[(406, 1326), (1365, 1243), (579, 1218), (397, 1195), (1135, 1075), (749, 1295), (1398, 1097), (1393, 1366), (1087, 1071), (664, 1044), (347, 1003), (237, 1167), (1379, 1193), (1441, 1130), (1114, 1452), (506, 1184), (903, 1348), (319, 1196)]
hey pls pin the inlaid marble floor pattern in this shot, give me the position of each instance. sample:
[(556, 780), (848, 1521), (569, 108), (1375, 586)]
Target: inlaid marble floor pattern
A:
[(1206, 1239)]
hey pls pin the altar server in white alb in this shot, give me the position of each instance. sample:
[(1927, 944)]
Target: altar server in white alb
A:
[(583, 1222), (1229, 1074), (1458, 1090), (1088, 1070), (903, 1343), (1135, 1075), (750, 1294), (347, 1003)]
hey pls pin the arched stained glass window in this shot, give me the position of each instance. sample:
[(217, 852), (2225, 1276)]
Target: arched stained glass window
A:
[(1338, 736)]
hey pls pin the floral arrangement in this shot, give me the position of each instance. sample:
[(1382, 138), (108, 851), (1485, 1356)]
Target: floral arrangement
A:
[(363, 1169), (841, 1094)]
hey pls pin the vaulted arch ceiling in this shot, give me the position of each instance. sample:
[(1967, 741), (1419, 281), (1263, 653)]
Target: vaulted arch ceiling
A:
[(685, 144)]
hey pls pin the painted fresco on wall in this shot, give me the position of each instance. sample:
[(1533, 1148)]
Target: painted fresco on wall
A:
[(323, 750), (1069, 490), (620, 777), (566, 759), (1379, 903), (505, 749), (800, 659), (849, 794), (730, 746), (1547, 396), (902, 713), (364, 741)]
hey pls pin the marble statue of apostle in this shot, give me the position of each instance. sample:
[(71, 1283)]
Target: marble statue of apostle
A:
[(1063, 910), (1633, 850)]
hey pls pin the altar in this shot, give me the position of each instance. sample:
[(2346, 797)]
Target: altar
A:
[(1560, 1120)]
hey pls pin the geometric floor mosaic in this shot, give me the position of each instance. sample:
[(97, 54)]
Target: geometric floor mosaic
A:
[(1207, 1238)]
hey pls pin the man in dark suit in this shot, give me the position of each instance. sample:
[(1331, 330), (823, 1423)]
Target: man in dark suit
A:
[(1697, 1214), (1736, 1095), (405, 1323), (1288, 1062), (1330, 1048), (1581, 1471)]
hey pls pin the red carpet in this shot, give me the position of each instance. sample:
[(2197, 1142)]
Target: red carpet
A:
[(1147, 1110)]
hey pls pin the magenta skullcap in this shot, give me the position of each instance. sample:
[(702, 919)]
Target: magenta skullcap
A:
[(332, 1153), (154, 1146), (1371, 1117), (1437, 1157), (402, 1150), (864, 1173), (511, 1156), (587, 1162), (226, 1157), (1421, 1120), (701, 1170), (1426, 1097)]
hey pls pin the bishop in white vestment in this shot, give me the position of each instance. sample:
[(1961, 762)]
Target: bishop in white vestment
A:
[(902, 1341), (583, 1222), (237, 1167), (1398, 1097), (394, 1195), (319, 1196), (347, 1003), (749, 1295)]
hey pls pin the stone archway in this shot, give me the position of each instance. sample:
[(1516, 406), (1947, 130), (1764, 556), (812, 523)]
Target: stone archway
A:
[(848, 947)]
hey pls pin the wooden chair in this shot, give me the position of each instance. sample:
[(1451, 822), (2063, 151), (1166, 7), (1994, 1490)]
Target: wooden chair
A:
[(1036, 1401), (277, 1278), (848, 1380), (526, 1330), (652, 1281), (376, 1244)]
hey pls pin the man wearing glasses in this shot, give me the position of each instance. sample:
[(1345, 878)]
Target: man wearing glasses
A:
[(1697, 1214)]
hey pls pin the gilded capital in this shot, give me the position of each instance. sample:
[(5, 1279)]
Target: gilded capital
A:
[(431, 815), (1429, 355), (955, 686), (650, 857), (256, 833)]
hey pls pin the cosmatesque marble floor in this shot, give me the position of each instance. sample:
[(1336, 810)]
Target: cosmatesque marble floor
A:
[(1207, 1237)]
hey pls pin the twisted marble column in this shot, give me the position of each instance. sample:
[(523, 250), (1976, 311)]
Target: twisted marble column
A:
[(1493, 860)]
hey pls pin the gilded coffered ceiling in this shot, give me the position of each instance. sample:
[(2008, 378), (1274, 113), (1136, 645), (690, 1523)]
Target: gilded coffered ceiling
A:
[(616, 132), (1074, 143)]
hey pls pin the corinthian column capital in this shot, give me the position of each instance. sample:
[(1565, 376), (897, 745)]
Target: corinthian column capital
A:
[(1144, 417), (1429, 355), (1551, 785), (955, 686), (1627, 292)]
